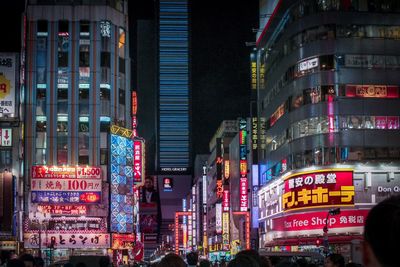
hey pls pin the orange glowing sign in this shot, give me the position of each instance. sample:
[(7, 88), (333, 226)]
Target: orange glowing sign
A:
[(134, 103), (331, 187), (243, 168), (220, 189)]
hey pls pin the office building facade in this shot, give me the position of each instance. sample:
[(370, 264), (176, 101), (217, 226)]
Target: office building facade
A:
[(328, 91), (77, 85)]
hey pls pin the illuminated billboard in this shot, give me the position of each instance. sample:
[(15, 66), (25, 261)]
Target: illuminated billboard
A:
[(122, 197), (66, 185), (7, 84), (330, 187)]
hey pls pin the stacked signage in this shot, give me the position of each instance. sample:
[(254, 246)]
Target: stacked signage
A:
[(67, 191)]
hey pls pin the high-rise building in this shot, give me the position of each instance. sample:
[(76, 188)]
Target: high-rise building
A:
[(77, 85), (328, 90), (174, 138)]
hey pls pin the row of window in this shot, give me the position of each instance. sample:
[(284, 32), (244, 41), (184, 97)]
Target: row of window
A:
[(327, 124), (330, 63), (329, 155), (331, 32)]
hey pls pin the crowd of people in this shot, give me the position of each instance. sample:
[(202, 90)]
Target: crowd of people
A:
[(380, 247)]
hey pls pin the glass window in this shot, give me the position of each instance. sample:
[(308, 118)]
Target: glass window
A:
[(121, 97), (62, 126), (41, 140), (41, 102), (105, 59), (104, 126), (84, 58), (40, 156), (121, 43), (62, 146), (41, 126), (63, 26), (62, 59), (103, 156), (84, 28), (42, 26), (105, 75), (104, 94), (375, 31)]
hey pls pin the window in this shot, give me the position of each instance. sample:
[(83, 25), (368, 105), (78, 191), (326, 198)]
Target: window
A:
[(104, 94), (42, 26), (85, 28), (62, 59), (105, 59), (63, 27), (41, 102), (84, 56), (103, 156), (122, 97)]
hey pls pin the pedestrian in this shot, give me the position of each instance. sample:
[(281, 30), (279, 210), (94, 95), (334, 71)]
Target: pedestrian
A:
[(205, 263), (104, 261), (243, 260), (15, 263), (382, 234), (38, 262), (334, 260), (191, 259), (28, 259), (171, 260)]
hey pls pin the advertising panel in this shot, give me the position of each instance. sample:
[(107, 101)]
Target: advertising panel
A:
[(225, 200), (243, 194), (377, 91), (331, 187), (317, 220), (7, 84), (138, 164), (6, 136), (225, 230), (63, 240), (65, 172), (63, 209), (84, 185), (69, 197), (218, 218), (122, 198)]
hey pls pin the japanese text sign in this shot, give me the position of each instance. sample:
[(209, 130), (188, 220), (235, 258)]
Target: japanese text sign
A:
[(333, 187), (63, 209), (316, 220), (68, 197), (75, 240), (87, 185), (243, 194), (65, 172)]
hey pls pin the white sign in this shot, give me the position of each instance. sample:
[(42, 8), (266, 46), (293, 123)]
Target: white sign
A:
[(7, 84), (73, 240), (218, 218), (308, 64), (82, 185), (6, 137)]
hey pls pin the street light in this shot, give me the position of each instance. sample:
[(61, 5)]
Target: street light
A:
[(331, 212)]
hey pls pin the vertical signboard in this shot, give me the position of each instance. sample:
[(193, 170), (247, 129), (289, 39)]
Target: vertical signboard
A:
[(218, 218), (243, 164), (219, 161), (138, 161), (122, 181), (7, 84)]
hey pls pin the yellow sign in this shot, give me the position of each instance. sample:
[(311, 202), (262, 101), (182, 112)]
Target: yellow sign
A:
[(5, 86)]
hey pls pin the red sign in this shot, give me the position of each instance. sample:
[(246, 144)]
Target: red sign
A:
[(65, 172), (243, 194), (134, 103), (317, 220), (378, 91), (243, 168), (63, 209), (277, 114), (138, 171), (225, 200), (220, 189), (332, 187)]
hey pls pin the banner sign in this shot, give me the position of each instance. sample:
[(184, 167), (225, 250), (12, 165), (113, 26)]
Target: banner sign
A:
[(69, 197), (317, 220), (65, 172), (60, 240), (331, 187), (243, 194), (63, 209), (7, 84), (378, 91), (83, 185)]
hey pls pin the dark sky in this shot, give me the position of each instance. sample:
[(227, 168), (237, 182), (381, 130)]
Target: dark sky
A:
[(220, 59), (220, 64)]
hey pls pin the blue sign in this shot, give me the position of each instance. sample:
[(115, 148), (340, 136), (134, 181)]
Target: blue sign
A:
[(60, 197)]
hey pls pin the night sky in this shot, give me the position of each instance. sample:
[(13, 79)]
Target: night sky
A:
[(220, 59)]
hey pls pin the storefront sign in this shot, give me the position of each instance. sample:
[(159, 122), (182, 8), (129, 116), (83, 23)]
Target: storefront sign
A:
[(61, 240), (63, 209), (226, 169), (317, 220), (121, 241), (377, 91), (8, 245), (243, 194), (308, 64), (218, 218), (65, 172), (84, 185), (225, 230), (277, 114), (7, 84), (332, 187), (138, 162), (69, 197), (225, 200)]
